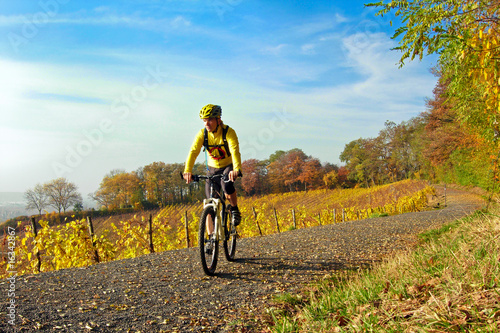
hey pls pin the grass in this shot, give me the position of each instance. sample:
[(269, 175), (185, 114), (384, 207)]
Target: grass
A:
[(449, 283), (373, 215)]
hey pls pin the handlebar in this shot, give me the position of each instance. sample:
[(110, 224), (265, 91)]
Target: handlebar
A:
[(197, 178)]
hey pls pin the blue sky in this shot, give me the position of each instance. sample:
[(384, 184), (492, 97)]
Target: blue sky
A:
[(92, 86)]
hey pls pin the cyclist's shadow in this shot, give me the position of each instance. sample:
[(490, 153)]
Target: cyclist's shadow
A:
[(262, 266)]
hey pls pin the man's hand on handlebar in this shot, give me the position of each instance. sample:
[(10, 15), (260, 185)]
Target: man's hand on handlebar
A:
[(188, 176), (232, 175)]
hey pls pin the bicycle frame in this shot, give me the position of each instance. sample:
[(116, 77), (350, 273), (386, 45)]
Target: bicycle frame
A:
[(209, 238), (218, 206)]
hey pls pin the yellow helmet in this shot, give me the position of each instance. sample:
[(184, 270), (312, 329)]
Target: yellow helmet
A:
[(211, 111)]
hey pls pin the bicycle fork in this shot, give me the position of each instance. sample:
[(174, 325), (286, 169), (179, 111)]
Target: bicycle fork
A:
[(217, 206)]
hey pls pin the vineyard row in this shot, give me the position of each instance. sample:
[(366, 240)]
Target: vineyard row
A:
[(75, 244)]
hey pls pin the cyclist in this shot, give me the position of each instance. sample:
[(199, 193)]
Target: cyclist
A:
[(221, 145)]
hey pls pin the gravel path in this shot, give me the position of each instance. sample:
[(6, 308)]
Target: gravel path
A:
[(168, 292)]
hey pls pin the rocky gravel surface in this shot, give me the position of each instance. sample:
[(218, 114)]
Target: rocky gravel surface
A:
[(168, 292)]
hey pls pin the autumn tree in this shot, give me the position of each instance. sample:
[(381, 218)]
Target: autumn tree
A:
[(391, 156), (343, 178), (156, 182), (254, 180), (36, 198), (465, 34), (119, 189), (294, 170), (456, 152), (284, 169), (61, 194), (331, 179), (400, 148), (330, 175), (312, 173), (443, 133), (178, 190), (356, 157)]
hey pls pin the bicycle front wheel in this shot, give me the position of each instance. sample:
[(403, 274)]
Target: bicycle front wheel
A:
[(208, 246), (231, 235)]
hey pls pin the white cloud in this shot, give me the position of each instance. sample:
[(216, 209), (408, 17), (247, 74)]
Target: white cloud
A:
[(274, 50), (317, 25), (180, 22), (378, 91), (103, 18), (370, 55), (9, 20), (102, 9), (162, 125), (340, 18), (308, 48)]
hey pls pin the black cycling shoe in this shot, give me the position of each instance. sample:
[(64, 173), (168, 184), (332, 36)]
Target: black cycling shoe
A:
[(209, 246), (236, 217)]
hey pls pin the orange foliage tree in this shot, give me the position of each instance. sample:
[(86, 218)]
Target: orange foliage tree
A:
[(119, 189)]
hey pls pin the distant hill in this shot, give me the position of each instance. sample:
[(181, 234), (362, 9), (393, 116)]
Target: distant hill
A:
[(13, 204), (11, 196)]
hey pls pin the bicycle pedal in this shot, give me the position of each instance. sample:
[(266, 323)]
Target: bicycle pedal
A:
[(209, 247)]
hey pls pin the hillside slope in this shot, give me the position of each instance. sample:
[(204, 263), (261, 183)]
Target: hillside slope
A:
[(168, 291)]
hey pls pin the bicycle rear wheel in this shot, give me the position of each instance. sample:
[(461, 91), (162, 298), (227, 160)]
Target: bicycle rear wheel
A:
[(208, 247), (230, 242)]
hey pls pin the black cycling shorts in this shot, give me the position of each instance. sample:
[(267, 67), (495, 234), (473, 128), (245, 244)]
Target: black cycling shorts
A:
[(228, 187)]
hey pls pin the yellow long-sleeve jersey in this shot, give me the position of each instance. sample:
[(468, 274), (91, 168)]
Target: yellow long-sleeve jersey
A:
[(218, 158)]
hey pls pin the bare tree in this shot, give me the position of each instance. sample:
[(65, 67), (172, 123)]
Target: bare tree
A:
[(36, 198), (62, 194)]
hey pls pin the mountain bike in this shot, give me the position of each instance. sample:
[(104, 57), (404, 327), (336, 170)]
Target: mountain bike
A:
[(220, 214)]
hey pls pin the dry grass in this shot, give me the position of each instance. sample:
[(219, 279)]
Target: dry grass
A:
[(450, 283)]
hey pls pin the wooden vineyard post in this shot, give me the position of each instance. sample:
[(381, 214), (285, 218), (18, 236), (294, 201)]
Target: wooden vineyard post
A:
[(319, 218), (294, 220), (186, 225), (334, 215), (35, 232), (343, 214), (276, 219), (91, 234), (150, 231), (256, 222), (445, 195)]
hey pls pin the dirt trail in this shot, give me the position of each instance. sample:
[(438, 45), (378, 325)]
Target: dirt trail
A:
[(168, 292)]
